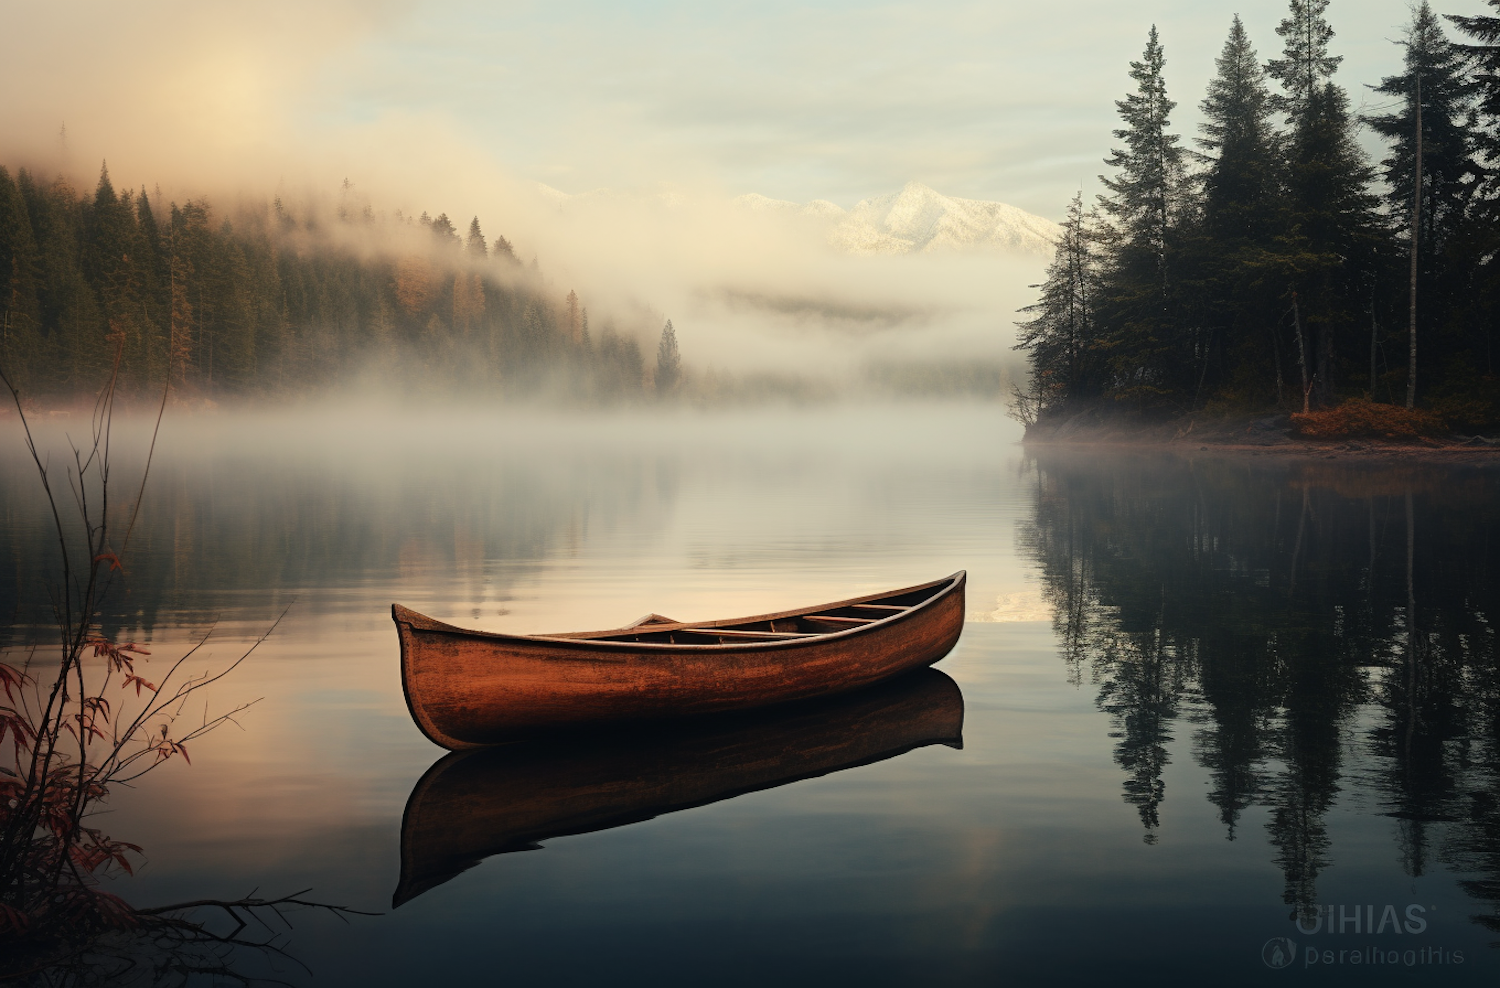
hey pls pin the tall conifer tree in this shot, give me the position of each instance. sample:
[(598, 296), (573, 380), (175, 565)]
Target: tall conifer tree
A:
[(1305, 66), (474, 245), (1144, 203), (1242, 213), (1331, 255), (20, 306), (1239, 143), (1148, 169), (1434, 74), (1480, 318), (1061, 335), (1484, 53)]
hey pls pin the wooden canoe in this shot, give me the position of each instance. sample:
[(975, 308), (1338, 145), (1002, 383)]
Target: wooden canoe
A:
[(466, 689), (473, 804)]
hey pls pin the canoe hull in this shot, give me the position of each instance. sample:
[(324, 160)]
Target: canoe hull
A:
[(467, 689)]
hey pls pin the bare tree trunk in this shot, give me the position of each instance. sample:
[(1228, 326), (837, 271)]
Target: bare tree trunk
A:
[(1416, 219), (1301, 352), (1276, 353)]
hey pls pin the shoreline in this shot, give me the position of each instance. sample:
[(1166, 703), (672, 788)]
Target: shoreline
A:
[(1260, 436)]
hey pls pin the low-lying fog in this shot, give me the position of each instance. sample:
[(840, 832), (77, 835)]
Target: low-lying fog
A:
[(522, 519)]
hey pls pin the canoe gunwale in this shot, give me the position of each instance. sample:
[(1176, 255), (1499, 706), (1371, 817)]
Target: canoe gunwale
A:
[(587, 639)]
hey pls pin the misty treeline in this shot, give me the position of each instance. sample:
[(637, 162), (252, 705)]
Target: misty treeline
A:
[(266, 303), (1272, 265)]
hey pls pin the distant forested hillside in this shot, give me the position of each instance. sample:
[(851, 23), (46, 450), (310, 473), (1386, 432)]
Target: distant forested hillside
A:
[(263, 303), (1272, 266)]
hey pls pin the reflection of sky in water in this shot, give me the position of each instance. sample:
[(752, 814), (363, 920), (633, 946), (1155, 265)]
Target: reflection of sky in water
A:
[(1014, 860)]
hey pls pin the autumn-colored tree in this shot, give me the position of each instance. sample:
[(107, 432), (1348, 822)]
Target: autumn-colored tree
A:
[(468, 301), (415, 284)]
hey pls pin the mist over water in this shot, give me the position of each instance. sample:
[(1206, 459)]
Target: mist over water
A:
[(1194, 709), (438, 504)]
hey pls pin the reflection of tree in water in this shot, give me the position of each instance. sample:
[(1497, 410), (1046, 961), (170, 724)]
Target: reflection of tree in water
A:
[(1281, 609), (1141, 690)]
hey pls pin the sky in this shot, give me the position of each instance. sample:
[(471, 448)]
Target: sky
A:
[(464, 107), (828, 99)]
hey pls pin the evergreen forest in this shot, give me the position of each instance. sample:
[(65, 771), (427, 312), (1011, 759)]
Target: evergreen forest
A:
[(1269, 264), (264, 303)]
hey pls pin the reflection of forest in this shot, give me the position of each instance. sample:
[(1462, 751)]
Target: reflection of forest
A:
[(231, 536), (1293, 615)]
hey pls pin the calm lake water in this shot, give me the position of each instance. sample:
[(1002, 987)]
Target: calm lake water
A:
[(1211, 706)]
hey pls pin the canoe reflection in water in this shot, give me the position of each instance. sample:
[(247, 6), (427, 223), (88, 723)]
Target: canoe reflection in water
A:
[(472, 804)]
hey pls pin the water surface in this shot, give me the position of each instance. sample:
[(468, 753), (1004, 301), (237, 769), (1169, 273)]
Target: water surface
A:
[(1203, 700)]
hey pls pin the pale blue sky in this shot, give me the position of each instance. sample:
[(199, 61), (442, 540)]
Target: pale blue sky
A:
[(832, 99)]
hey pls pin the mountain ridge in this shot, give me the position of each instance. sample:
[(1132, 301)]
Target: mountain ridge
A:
[(918, 219)]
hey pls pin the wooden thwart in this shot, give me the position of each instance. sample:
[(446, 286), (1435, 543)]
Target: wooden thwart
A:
[(765, 635)]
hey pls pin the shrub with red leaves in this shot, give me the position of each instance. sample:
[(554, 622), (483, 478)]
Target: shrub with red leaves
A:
[(1365, 419)]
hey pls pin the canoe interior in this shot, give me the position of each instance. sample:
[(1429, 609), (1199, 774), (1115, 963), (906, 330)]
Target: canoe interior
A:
[(827, 619)]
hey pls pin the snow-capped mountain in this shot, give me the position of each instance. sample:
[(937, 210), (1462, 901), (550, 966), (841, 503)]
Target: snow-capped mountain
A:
[(919, 220)]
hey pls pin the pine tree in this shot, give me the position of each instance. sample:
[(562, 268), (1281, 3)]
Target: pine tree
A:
[(474, 245), (1305, 67), (1484, 59), (668, 362), (1146, 201), (1434, 77), (112, 264), (152, 267), (443, 231), (20, 307), (1474, 367), (1145, 188), (1061, 335), (1242, 212), (1448, 165), (1240, 182), (72, 321), (1330, 258)]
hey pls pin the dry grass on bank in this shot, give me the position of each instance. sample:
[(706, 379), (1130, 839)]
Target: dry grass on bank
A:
[(1362, 418)]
